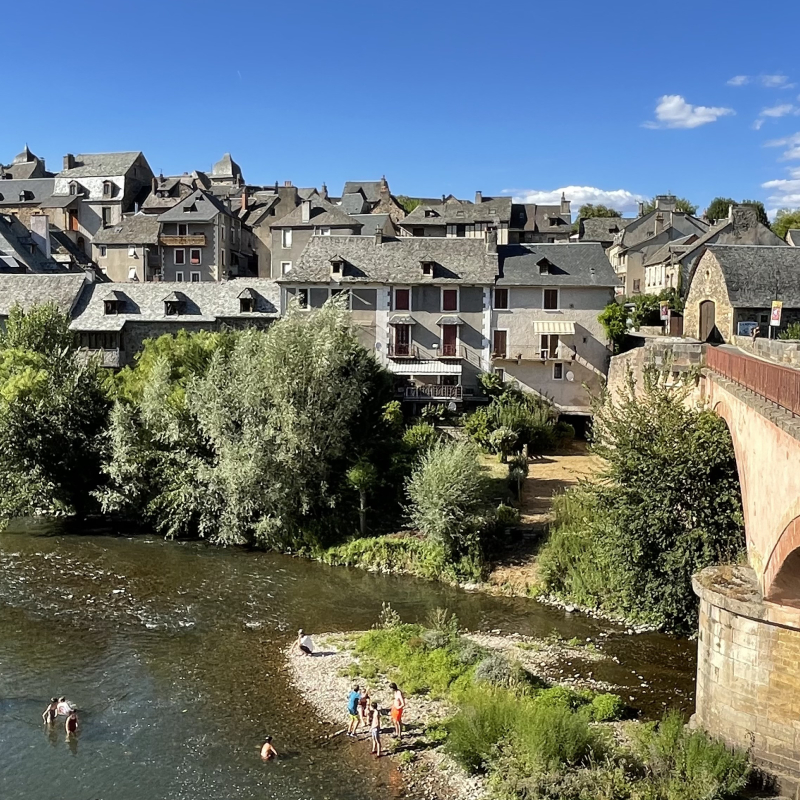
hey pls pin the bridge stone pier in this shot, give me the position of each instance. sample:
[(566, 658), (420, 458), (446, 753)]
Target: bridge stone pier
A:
[(748, 674)]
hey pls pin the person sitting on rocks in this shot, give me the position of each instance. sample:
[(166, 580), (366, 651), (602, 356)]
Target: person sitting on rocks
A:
[(305, 643)]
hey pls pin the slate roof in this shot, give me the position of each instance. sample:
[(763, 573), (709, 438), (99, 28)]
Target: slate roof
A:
[(678, 223), (354, 203), (133, 229), (677, 246), (97, 165), (602, 229), (176, 187), (323, 214), (371, 190), (226, 167), (751, 270), (460, 212), (371, 223), (532, 217), (207, 208), (207, 301), (573, 264), (793, 237), (39, 189), (460, 261), (31, 290)]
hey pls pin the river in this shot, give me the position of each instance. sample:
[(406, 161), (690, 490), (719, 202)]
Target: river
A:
[(174, 652)]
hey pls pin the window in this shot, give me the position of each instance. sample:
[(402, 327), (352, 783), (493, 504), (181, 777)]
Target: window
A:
[(402, 299), (179, 277), (286, 267), (183, 229), (548, 345), (402, 341), (286, 238), (499, 344), (110, 307), (427, 267), (637, 285), (194, 277), (302, 298), (73, 188), (106, 188), (346, 292), (73, 219), (323, 231), (131, 251), (449, 299), (461, 231), (103, 251), (132, 276), (550, 299), (449, 347), (179, 256), (247, 305), (194, 256), (558, 372), (106, 216), (222, 232), (336, 266), (223, 258), (501, 299)]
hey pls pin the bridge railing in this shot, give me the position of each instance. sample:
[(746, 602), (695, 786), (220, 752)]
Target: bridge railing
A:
[(778, 384)]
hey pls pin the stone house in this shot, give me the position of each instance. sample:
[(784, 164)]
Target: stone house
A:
[(642, 237), (734, 284), (202, 239), (544, 329), (291, 232), (460, 219), (670, 266), (129, 251), (601, 229), (114, 319), (531, 223), (165, 193), (37, 247), (30, 290), (96, 189), (422, 305), (24, 166), (24, 197), (370, 197)]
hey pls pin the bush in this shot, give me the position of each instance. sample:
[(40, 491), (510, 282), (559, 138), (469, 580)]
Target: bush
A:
[(496, 670), (564, 433), (607, 707), (791, 332), (506, 515), (421, 437)]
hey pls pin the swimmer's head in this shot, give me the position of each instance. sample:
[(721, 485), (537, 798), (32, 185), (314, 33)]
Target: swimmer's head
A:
[(268, 740), (62, 699), (53, 699)]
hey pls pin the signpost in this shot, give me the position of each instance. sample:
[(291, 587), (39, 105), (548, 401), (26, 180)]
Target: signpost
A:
[(663, 307)]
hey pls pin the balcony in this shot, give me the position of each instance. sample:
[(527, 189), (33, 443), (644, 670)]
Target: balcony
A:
[(449, 351), (195, 240), (403, 351), (432, 392)]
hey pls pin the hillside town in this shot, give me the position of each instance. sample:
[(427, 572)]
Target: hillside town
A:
[(442, 289)]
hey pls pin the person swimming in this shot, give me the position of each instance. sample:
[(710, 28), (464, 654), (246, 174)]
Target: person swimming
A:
[(64, 708), (51, 712), (71, 725), (268, 751)]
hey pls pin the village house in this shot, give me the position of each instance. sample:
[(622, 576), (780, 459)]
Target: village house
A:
[(38, 247), (544, 329), (642, 237), (114, 319), (313, 217), (600, 229), (94, 190), (670, 266), (370, 197), (421, 305), (28, 290), (532, 223), (732, 288), (129, 251)]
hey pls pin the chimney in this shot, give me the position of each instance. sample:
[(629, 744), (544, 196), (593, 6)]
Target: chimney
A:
[(154, 184), (40, 233), (565, 209), (306, 211), (478, 198), (324, 193), (378, 235), (491, 241), (666, 202), (287, 183), (244, 199), (443, 199), (641, 208), (69, 161), (383, 190)]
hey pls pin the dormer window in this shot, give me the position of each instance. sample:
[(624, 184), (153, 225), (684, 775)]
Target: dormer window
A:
[(544, 266), (22, 197), (107, 188), (112, 303), (337, 266), (173, 305), (553, 221), (429, 212), (189, 209), (73, 187), (427, 267), (247, 301)]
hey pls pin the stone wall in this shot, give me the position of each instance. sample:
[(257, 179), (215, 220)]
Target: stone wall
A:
[(748, 686), (778, 350)]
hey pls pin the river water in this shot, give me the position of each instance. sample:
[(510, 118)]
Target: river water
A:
[(174, 651)]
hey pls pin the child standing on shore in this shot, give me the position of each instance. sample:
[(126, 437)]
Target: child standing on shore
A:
[(375, 729)]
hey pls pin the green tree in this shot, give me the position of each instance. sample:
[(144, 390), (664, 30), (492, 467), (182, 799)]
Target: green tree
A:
[(589, 210), (682, 204), (446, 493), (614, 319), (362, 478), (718, 208), (407, 203), (785, 220), (53, 411)]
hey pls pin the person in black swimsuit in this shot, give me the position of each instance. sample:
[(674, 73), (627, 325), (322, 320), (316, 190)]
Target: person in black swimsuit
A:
[(50, 713), (71, 724)]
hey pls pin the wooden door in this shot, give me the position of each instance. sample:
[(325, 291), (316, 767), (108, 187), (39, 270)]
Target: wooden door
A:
[(707, 320), (499, 343), (449, 337)]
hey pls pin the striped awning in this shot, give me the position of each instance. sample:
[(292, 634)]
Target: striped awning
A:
[(554, 326), (401, 319), (424, 368)]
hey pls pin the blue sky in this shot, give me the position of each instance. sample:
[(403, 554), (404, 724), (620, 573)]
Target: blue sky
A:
[(520, 97)]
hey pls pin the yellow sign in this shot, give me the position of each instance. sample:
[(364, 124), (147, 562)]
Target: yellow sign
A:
[(775, 316)]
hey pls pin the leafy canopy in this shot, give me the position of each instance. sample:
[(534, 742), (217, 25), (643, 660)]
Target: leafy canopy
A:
[(589, 210), (785, 220), (682, 204)]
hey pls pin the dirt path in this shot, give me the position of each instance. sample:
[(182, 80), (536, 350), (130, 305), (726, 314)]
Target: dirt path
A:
[(515, 570)]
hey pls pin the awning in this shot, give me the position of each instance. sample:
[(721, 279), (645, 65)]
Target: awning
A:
[(424, 368), (401, 319), (556, 326), (450, 319)]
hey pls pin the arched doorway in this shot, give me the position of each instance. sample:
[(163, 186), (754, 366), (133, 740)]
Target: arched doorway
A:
[(708, 322)]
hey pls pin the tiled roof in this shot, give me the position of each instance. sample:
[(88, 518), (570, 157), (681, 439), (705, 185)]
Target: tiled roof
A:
[(531, 217), (677, 247), (371, 190), (207, 301), (602, 229), (133, 229), (371, 223), (460, 212), (97, 165), (36, 189), (573, 264), (206, 208), (31, 290), (323, 214), (678, 223), (395, 260), (354, 203)]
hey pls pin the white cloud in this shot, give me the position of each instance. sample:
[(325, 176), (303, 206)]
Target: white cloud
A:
[(672, 111), (621, 199), (739, 80), (779, 111), (791, 143), (784, 192), (768, 81)]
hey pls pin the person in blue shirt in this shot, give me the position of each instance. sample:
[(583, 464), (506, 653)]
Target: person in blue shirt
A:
[(352, 710)]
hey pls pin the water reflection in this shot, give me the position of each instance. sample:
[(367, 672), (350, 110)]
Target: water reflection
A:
[(173, 653)]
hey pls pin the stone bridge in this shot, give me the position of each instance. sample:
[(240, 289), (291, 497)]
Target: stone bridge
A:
[(748, 673)]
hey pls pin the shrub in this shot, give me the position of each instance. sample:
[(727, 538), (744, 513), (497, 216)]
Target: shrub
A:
[(607, 707), (564, 433), (496, 670), (421, 437), (791, 332), (502, 441), (506, 515)]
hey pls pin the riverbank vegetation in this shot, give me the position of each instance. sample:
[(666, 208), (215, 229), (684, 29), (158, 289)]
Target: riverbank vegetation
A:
[(666, 504), (527, 738)]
